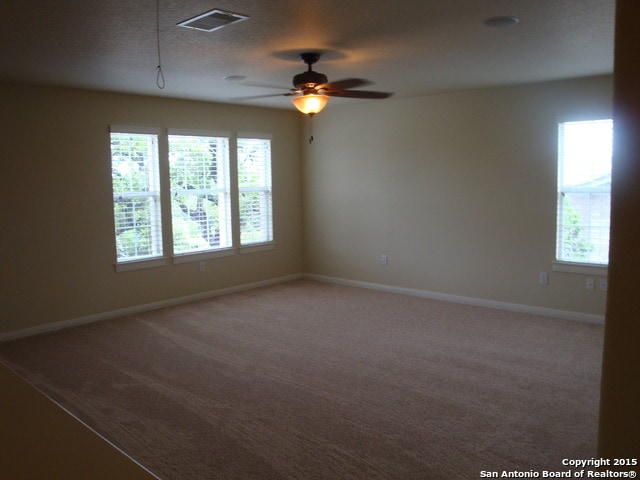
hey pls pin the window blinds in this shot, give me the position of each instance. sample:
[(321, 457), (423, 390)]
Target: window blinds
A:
[(254, 190)]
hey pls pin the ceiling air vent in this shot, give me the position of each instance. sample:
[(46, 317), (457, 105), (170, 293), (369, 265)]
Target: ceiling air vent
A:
[(212, 20)]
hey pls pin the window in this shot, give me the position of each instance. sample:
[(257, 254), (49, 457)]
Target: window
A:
[(136, 195), (211, 209), (254, 185), (584, 191), (200, 193)]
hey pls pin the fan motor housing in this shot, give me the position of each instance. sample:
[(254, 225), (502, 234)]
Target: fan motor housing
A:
[(309, 79)]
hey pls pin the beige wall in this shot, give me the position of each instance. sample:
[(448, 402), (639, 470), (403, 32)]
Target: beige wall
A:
[(457, 189), (57, 238)]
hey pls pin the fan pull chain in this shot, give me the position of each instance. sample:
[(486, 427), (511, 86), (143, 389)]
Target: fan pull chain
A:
[(160, 75), (310, 129)]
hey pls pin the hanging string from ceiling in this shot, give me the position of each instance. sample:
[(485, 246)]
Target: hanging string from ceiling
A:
[(159, 75)]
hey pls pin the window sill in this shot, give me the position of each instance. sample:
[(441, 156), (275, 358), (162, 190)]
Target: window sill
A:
[(200, 256), (140, 264), (257, 247), (583, 268), (193, 257)]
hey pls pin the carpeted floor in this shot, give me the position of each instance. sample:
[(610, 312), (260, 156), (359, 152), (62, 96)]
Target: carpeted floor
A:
[(306, 380)]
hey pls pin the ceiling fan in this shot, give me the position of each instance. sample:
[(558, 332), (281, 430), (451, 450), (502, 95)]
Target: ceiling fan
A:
[(312, 89)]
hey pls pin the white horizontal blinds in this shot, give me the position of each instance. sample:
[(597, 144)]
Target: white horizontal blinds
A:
[(254, 188), (200, 192), (584, 191), (136, 195)]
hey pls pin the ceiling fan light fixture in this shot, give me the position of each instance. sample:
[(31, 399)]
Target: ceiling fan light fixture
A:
[(310, 103)]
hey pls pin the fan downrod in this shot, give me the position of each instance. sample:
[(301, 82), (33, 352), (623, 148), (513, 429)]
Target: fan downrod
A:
[(310, 58)]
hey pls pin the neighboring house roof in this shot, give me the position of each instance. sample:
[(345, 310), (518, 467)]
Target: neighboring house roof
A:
[(602, 183)]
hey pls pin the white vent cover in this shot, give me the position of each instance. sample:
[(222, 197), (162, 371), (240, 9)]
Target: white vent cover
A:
[(212, 20)]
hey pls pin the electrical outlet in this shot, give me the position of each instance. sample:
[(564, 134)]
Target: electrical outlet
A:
[(591, 285), (603, 285), (544, 278), (384, 259), (201, 267)]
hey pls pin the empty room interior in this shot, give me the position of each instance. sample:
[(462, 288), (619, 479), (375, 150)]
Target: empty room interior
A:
[(361, 239)]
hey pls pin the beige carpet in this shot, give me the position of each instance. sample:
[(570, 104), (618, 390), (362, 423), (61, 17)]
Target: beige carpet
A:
[(307, 380)]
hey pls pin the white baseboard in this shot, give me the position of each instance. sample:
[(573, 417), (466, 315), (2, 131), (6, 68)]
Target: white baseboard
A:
[(514, 307), (583, 317), (51, 327)]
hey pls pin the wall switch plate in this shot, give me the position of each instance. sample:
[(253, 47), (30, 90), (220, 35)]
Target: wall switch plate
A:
[(544, 278), (384, 260), (201, 267), (591, 285)]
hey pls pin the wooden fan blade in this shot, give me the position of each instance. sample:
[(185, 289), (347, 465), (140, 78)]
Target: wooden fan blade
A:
[(357, 94), (343, 84)]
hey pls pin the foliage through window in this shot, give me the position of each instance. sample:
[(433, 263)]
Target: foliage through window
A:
[(136, 195), (200, 194), (584, 191), (254, 183)]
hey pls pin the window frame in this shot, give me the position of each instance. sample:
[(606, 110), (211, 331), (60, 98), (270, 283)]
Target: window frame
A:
[(163, 197), (224, 191), (265, 189), (562, 189), (153, 194)]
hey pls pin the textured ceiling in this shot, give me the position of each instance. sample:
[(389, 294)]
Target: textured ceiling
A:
[(410, 47)]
